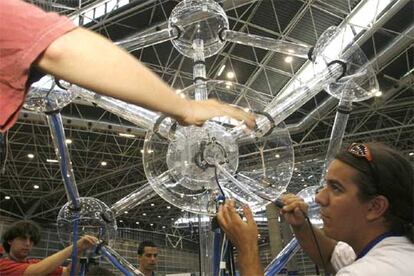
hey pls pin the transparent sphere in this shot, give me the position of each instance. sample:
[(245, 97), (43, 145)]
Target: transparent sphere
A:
[(308, 195), (193, 166), (45, 96), (359, 82), (198, 20), (95, 218)]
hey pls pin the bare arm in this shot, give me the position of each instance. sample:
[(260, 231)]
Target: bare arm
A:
[(293, 214), (49, 264), (91, 61), (243, 235)]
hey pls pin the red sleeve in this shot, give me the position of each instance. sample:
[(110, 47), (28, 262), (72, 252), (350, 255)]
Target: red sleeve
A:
[(26, 31), (11, 268)]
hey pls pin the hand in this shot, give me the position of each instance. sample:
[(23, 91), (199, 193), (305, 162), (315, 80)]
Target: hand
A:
[(242, 234), (198, 112), (87, 242), (294, 209)]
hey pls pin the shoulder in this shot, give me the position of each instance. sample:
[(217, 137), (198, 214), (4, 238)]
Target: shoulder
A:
[(393, 256)]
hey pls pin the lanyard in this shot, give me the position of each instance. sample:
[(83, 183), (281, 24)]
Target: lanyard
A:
[(374, 242)]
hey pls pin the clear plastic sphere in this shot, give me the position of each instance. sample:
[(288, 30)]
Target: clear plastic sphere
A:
[(359, 82), (251, 173), (46, 96), (308, 195), (95, 218), (198, 19)]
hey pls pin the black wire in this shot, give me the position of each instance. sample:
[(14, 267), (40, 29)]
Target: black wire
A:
[(218, 182), (317, 243)]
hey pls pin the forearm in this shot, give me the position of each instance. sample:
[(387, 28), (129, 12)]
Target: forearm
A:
[(307, 242), (49, 264), (249, 262), (93, 62)]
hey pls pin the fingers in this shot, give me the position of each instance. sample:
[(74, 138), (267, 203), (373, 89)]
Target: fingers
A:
[(249, 215)]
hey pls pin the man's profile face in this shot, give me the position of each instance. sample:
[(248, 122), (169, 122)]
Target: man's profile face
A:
[(20, 247), (148, 260)]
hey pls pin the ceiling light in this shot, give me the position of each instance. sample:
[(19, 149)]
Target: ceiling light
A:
[(68, 141), (230, 75), (36, 187), (7, 197), (220, 71), (137, 222), (144, 214), (277, 156), (104, 163), (30, 155), (163, 227), (168, 207), (159, 216), (126, 212), (411, 154), (378, 93), (52, 161), (127, 135), (142, 151), (288, 59), (152, 204), (151, 224), (121, 220)]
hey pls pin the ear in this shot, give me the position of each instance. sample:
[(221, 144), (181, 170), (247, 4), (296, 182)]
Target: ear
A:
[(377, 207)]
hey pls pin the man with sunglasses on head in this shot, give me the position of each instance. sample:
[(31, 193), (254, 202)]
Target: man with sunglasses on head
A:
[(366, 205)]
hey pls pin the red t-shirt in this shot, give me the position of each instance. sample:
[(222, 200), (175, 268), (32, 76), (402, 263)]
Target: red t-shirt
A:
[(25, 32), (12, 268)]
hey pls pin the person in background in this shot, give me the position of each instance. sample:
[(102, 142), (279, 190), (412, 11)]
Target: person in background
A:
[(147, 257), (34, 43), (366, 204), (18, 241)]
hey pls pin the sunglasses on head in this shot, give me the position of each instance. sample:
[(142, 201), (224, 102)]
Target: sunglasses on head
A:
[(363, 151)]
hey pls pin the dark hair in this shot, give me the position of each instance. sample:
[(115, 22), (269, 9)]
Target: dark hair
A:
[(99, 270), (394, 179), (21, 229), (144, 244)]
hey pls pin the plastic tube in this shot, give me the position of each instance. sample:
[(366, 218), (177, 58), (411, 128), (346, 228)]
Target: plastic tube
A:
[(58, 136), (141, 41), (199, 71), (74, 255), (134, 199), (337, 134), (283, 106), (282, 258), (277, 45), (139, 116), (120, 263)]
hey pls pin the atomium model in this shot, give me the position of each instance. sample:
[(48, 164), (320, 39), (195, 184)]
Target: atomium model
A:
[(195, 168)]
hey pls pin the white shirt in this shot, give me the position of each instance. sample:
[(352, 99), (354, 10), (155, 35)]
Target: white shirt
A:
[(391, 256)]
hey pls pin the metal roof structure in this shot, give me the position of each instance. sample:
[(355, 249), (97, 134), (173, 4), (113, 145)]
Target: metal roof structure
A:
[(94, 132)]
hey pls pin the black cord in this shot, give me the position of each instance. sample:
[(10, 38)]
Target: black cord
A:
[(218, 182), (316, 242)]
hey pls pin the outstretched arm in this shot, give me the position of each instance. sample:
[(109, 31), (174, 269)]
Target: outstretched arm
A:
[(50, 264), (243, 235), (93, 62)]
